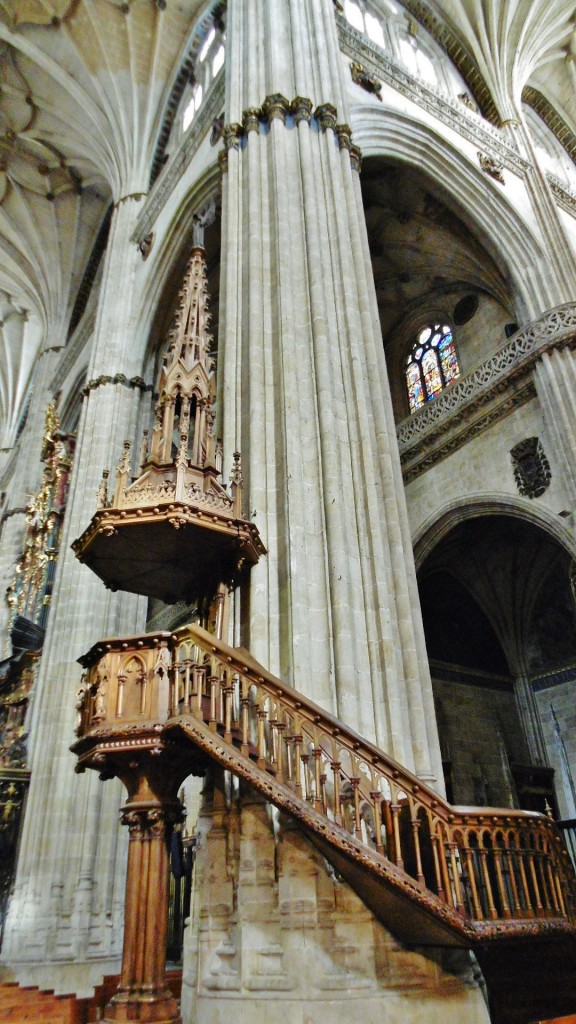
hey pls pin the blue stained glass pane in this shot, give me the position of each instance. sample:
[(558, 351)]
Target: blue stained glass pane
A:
[(416, 395), (448, 358)]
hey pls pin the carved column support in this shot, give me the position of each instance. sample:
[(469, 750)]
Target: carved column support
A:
[(150, 814)]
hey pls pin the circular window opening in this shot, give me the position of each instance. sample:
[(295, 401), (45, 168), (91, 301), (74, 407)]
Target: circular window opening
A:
[(465, 309)]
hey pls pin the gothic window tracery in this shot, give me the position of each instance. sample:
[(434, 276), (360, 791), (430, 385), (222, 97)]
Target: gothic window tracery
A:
[(431, 365)]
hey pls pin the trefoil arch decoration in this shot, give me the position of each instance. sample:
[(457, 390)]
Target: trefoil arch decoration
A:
[(431, 365)]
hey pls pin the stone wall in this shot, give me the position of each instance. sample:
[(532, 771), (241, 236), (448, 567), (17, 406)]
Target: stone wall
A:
[(275, 936)]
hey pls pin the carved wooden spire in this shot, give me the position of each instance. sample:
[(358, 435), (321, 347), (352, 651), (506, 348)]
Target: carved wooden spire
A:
[(190, 340)]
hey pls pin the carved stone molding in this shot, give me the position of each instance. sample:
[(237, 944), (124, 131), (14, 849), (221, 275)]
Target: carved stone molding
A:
[(484, 396), (150, 822), (467, 123), (564, 196)]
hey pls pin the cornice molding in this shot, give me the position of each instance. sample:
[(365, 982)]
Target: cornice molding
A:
[(459, 117), (490, 392), (564, 196)]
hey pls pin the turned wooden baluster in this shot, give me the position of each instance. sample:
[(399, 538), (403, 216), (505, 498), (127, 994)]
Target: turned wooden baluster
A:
[(395, 811), (483, 854), (471, 868)]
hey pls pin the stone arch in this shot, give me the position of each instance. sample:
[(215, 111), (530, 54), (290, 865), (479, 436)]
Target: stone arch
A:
[(159, 285), (446, 518), (480, 203)]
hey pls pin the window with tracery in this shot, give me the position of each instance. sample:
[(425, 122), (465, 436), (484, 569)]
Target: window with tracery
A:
[(431, 365)]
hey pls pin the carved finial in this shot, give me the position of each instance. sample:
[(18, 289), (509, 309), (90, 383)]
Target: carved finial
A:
[(124, 464), (201, 221), (236, 474), (102, 493), (143, 450)]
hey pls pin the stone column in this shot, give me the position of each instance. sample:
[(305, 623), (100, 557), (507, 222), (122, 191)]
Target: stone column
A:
[(21, 478), (68, 897), (334, 605), (555, 380)]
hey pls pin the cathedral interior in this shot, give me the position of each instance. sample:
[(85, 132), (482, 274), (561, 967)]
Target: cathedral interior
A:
[(288, 511)]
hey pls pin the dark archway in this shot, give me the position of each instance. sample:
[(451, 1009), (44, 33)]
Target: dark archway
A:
[(500, 626)]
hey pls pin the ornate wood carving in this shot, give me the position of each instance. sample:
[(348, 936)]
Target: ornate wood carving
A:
[(439, 870)]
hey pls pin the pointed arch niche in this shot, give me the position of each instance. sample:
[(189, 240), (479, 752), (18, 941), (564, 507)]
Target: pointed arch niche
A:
[(500, 623)]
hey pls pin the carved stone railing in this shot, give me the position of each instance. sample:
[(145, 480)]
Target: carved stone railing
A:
[(478, 399), (483, 872)]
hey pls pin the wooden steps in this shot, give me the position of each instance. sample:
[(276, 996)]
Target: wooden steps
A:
[(22, 1003)]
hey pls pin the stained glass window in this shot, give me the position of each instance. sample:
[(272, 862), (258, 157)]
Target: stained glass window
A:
[(431, 365)]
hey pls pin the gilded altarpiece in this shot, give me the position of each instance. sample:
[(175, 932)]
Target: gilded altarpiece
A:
[(28, 597)]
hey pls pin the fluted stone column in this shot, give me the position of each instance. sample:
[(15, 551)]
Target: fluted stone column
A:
[(334, 605), (68, 898), (555, 380)]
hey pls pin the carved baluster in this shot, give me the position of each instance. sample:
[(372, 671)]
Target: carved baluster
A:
[(376, 797), (560, 897), (357, 830), (335, 766), (415, 822), (297, 765), (317, 754), (184, 683), (444, 854), (395, 810), (459, 902), (389, 829), (228, 697), (437, 873), (280, 727), (245, 716), (471, 868), (550, 888), (262, 716), (308, 793), (323, 797), (535, 886), (273, 722), (540, 857), (177, 686), (492, 912), (506, 912), (198, 687), (214, 688), (524, 881), (511, 861)]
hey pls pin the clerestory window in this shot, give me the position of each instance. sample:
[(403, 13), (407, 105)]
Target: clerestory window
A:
[(432, 364)]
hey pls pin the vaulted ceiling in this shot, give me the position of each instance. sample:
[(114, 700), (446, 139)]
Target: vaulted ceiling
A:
[(84, 84)]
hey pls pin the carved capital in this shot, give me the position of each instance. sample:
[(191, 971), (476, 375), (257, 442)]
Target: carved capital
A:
[(150, 822), (232, 135), (251, 119), (326, 115), (276, 106), (344, 136), (301, 108), (356, 158)]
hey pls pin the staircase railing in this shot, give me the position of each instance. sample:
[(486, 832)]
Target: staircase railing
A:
[(486, 864)]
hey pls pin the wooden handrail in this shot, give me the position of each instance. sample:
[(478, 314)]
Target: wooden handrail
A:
[(490, 867)]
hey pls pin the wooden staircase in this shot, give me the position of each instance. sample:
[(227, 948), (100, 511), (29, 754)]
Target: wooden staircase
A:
[(498, 881), (22, 1003)]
